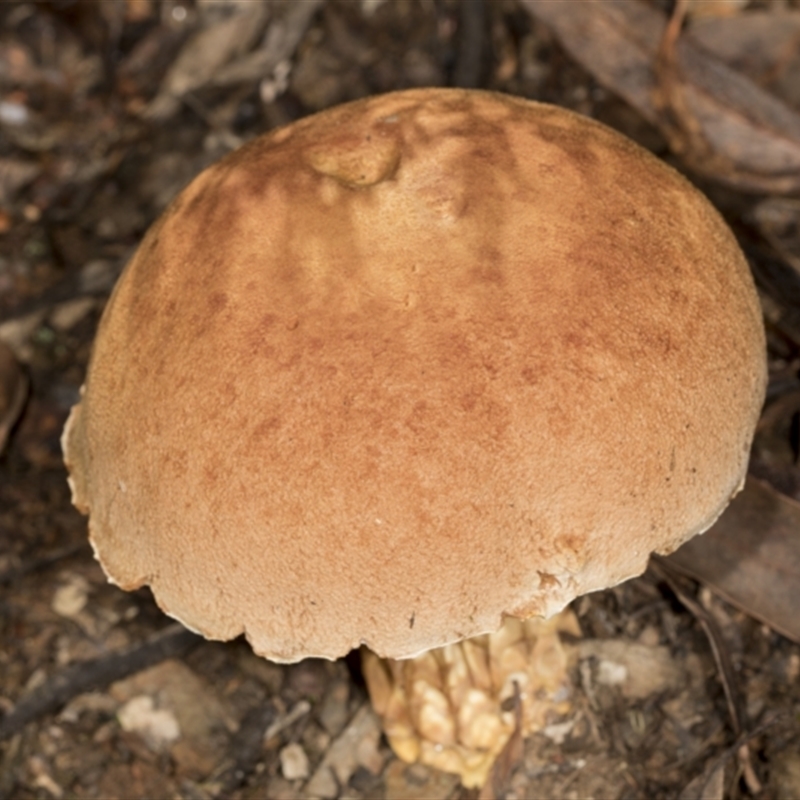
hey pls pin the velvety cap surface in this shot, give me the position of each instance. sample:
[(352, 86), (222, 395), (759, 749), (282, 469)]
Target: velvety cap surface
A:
[(411, 364)]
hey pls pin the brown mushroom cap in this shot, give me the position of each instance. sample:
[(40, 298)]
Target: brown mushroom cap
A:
[(411, 364)]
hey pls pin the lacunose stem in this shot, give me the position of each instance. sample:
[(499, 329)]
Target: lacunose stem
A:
[(452, 708)]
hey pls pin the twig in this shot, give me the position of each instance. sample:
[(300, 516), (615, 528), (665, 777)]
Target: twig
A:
[(95, 674), (741, 743), (246, 750), (669, 96), (725, 668), (668, 573), (684, 130)]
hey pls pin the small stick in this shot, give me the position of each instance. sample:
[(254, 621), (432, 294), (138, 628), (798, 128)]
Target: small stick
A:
[(245, 751), (725, 669), (95, 674), (720, 651)]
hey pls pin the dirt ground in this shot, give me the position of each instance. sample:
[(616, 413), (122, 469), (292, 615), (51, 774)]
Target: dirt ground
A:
[(106, 111)]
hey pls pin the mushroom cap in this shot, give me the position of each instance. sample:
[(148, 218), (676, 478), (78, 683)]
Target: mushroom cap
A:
[(412, 364)]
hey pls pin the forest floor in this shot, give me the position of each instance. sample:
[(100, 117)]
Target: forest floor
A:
[(106, 111)]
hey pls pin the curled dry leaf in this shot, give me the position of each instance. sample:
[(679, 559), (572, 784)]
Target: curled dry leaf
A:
[(751, 557), (13, 391), (764, 44), (725, 127)]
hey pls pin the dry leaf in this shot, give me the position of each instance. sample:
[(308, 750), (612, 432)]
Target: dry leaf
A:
[(762, 44), (280, 42), (716, 8), (205, 53), (752, 140), (710, 785), (751, 557)]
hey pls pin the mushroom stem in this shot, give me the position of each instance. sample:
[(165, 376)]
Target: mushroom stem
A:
[(450, 707)]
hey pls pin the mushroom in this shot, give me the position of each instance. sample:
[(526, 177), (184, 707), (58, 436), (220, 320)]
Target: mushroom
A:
[(411, 367)]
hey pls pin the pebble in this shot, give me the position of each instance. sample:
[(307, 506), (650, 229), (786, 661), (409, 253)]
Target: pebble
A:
[(157, 726), (294, 762)]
